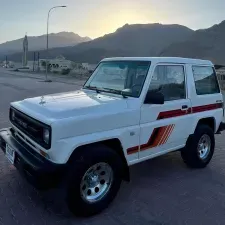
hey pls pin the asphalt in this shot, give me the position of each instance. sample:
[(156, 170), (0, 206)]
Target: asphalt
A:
[(162, 191)]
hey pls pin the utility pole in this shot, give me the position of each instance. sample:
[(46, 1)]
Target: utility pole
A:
[(34, 61), (38, 57)]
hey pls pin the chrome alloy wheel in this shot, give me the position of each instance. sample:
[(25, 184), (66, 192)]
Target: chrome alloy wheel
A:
[(96, 182), (204, 146)]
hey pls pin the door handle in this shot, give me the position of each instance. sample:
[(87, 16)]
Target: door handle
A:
[(184, 107)]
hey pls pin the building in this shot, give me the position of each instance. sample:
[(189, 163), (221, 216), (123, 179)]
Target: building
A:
[(56, 65), (89, 67), (7, 64)]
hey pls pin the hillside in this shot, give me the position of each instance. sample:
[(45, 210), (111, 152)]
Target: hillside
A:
[(206, 44), (129, 40), (142, 39), (61, 39)]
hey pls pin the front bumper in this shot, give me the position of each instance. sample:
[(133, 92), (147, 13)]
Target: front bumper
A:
[(39, 171)]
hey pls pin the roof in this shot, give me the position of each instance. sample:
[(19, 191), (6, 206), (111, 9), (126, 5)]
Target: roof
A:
[(162, 60)]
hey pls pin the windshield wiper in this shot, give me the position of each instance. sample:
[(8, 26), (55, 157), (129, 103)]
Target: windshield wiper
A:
[(114, 91), (110, 90), (93, 88)]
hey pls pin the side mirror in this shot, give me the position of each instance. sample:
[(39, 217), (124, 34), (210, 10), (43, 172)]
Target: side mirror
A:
[(154, 98)]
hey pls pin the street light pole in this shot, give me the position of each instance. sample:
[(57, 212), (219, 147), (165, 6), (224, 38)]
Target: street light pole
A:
[(46, 72)]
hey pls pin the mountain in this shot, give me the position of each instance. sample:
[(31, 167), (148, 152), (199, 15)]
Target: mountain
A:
[(206, 44), (129, 40), (61, 39), (141, 39)]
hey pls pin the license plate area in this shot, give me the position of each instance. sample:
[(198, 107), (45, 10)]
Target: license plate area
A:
[(10, 154)]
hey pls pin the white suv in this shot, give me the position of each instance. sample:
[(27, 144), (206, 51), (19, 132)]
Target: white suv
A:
[(130, 110)]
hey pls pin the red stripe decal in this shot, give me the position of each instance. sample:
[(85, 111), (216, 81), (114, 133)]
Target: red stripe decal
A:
[(163, 141), (132, 150), (154, 140), (161, 133), (170, 114), (204, 108), (196, 109), (171, 130)]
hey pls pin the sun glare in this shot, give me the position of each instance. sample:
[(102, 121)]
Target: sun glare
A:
[(112, 21)]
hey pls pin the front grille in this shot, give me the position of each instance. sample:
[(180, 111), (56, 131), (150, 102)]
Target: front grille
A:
[(23, 138), (29, 126)]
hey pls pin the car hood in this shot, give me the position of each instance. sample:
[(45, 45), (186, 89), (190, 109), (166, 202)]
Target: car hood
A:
[(70, 104)]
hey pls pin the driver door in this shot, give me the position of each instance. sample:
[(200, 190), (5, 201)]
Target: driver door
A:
[(164, 127)]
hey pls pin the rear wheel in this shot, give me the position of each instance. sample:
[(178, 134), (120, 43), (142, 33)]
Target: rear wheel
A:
[(200, 147), (95, 178)]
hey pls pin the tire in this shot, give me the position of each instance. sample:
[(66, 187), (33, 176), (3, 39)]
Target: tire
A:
[(90, 156), (191, 154)]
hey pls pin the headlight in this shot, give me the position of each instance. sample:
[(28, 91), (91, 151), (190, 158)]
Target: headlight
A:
[(46, 135)]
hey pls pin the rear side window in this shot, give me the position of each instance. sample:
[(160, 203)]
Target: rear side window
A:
[(205, 80)]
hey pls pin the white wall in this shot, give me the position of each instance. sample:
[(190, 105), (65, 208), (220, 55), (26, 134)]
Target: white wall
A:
[(56, 65)]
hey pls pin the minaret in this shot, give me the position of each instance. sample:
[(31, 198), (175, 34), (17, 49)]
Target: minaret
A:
[(25, 51)]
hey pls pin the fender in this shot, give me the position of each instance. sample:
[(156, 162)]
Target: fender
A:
[(63, 148)]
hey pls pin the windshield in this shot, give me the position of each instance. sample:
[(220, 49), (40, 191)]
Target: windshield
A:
[(118, 76)]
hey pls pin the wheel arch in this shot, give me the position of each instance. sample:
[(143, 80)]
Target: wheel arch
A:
[(209, 121), (115, 145)]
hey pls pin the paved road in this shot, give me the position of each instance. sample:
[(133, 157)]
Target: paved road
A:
[(162, 191)]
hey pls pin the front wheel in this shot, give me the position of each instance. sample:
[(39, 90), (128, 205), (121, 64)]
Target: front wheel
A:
[(94, 180), (200, 147)]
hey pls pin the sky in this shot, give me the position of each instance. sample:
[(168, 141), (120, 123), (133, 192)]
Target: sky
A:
[(94, 18)]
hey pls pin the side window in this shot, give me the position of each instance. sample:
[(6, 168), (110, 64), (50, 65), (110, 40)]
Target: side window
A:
[(169, 80), (205, 80)]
